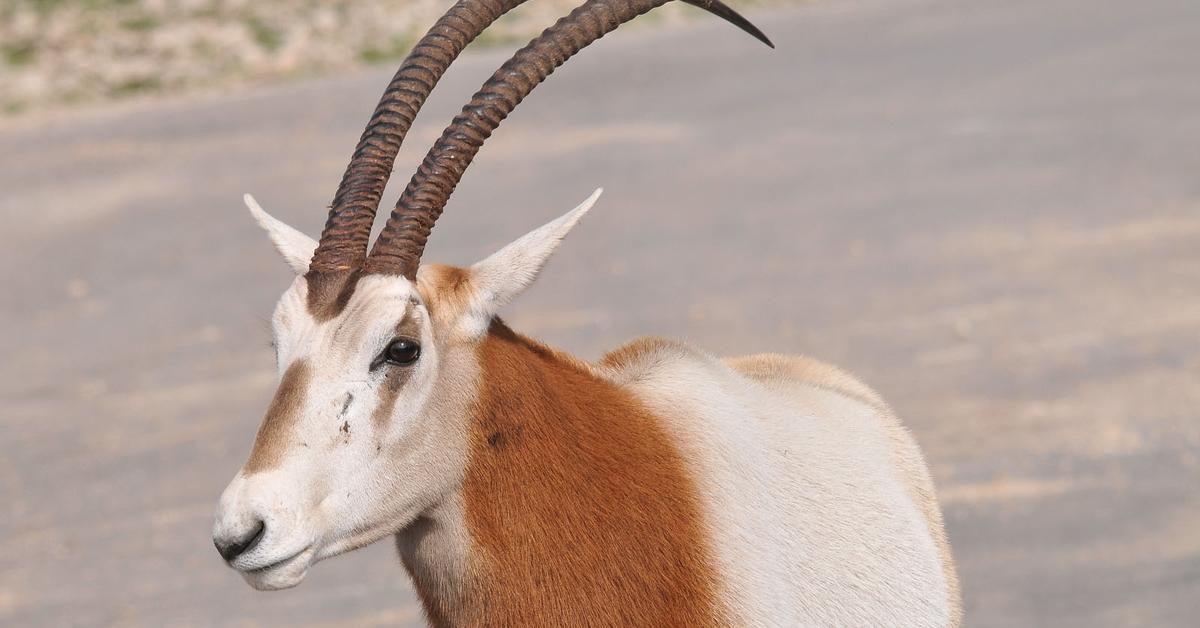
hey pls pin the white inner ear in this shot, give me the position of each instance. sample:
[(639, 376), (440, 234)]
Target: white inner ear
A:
[(295, 247), (506, 273)]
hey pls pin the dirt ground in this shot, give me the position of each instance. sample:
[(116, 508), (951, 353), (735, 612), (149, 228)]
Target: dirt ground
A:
[(988, 210)]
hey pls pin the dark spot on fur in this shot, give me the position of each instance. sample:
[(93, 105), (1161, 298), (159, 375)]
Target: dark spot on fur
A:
[(346, 428), (500, 440)]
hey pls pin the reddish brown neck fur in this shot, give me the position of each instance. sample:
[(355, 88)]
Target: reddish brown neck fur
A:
[(579, 509)]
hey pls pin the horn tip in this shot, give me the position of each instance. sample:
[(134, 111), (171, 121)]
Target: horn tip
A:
[(725, 12)]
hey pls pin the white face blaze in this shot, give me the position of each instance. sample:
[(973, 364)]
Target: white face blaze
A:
[(353, 455), (354, 447)]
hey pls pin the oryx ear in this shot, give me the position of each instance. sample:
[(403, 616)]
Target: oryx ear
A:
[(295, 247), (497, 280)]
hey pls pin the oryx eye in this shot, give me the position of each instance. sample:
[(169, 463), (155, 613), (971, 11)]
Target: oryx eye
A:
[(402, 351)]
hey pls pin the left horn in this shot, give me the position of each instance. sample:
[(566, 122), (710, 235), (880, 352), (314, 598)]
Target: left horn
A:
[(398, 249), (347, 232)]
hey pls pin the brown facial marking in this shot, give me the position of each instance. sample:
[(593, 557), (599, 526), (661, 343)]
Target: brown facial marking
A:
[(580, 508), (273, 435), (397, 376), (446, 290), (329, 292)]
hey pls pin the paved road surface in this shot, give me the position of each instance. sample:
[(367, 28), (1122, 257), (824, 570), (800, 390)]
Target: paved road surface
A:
[(990, 210)]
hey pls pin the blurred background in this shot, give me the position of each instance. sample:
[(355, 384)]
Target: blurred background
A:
[(989, 210)]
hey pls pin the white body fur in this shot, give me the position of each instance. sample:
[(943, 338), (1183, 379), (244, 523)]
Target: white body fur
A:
[(809, 491)]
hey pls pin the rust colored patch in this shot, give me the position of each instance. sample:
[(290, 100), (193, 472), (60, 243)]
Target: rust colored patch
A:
[(445, 289), (272, 440), (329, 292), (451, 279), (580, 508)]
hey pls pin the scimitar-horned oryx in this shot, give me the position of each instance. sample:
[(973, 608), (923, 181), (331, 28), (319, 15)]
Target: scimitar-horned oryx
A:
[(659, 486)]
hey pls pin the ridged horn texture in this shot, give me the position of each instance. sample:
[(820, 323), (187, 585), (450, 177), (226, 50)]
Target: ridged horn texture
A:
[(344, 241), (398, 249)]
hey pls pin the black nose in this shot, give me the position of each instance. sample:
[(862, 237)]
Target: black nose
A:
[(232, 548)]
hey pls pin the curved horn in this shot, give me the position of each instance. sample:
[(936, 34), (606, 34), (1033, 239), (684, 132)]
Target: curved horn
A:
[(398, 249), (344, 240)]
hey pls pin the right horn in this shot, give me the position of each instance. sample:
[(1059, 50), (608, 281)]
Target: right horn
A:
[(344, 240), (398, 249)]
